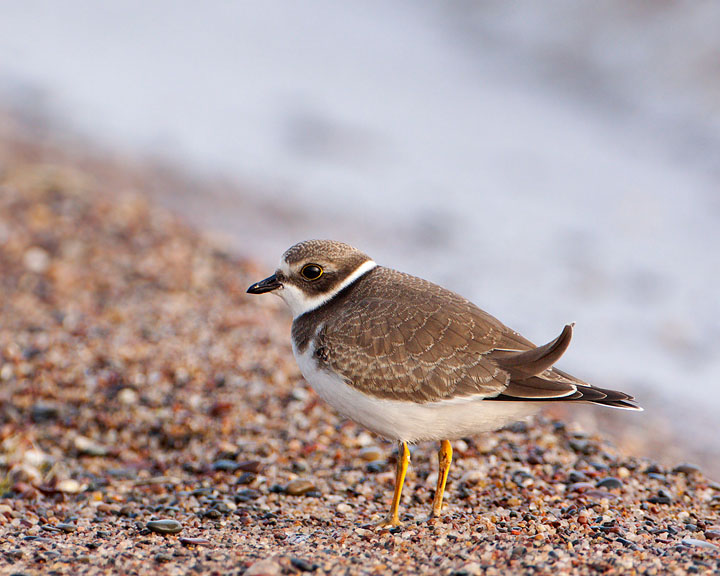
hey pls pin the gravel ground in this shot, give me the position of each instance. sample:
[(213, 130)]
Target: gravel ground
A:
[(153, 420)]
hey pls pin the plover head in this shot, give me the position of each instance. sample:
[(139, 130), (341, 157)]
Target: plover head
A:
[(312, 272)]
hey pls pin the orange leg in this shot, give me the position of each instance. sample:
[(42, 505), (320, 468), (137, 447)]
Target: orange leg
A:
[(392, 519), (444, 460)]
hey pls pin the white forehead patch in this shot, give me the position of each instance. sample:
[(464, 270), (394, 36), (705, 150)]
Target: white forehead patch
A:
[(300, 302)]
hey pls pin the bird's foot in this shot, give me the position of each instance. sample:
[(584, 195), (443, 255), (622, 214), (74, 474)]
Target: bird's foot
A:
[(389, 521)]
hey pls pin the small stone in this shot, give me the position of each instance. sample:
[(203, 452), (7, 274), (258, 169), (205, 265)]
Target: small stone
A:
[(712, 534), (687, 469), (246, 478), (663, 497), (610, 483), (577, 476), (343, 508), (65, 527), (581, 486), (224, 465), (41, 412), (128, 396), (264, 568), (36, 260), (376, 467), (472, 569), (164, 526), (195, 542), (89, 447), (303, 565), (247, 495), (163, 557), (699, 543), (299, 487), (371, 454), (253, 466), (69, 486), (472, 477)]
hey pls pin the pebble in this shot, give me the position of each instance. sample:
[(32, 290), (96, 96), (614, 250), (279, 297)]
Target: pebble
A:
[(164, 526), (344, 508), (371, 454), (581, 486), (253, 466), (264, 568), (577, 476), (36, 260), (69, 486), (712, 534), (246, 495), (224, 465), (195, 542), (128, 396), (376, 467), (41, 412), (299, 487), (609, 483), (89, 447), (65, 527), (663, 497), (699, 543), (686, 469), (303, 565), (163, 557), (246, 478)]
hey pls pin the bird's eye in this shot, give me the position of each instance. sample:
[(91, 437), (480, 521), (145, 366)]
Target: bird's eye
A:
[(311, 271)]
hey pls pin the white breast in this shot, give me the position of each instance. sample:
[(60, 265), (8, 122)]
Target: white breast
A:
[(408, 421)]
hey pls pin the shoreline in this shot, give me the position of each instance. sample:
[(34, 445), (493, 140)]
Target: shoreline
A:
[(139, 383)]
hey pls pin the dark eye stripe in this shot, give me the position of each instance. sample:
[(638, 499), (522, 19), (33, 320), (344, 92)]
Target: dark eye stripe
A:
[(311, 271)]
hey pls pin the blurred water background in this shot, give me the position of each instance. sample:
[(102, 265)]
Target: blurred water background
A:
[(554, 161)]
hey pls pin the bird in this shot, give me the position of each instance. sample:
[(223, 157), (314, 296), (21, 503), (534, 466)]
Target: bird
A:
[(412, 361)]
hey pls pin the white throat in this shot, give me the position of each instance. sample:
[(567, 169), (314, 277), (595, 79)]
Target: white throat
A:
[(300, 302)]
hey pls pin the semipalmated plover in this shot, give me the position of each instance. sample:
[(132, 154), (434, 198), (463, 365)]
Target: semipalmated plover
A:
[(410, 360)]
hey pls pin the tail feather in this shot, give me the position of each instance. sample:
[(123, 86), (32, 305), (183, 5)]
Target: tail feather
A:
[(534, 379)]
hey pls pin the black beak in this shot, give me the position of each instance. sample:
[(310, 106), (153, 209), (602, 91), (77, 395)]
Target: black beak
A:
[(267, 285)]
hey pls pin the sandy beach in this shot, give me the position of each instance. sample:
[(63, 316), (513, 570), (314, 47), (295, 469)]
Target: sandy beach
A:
[(153, 420)]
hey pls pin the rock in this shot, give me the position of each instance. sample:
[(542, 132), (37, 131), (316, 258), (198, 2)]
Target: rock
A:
[(343, 508), (264, 568), (224, 465), (36, 260), (577, 476), (371, 454), (609, 483), (686, 469), (376, 467), (699, 543), (246, 495), (253, 466), (164, 526), (581, 486), (195, 542), (472, 569), (246, 478), (128, 396), (69, 486), (663, 497), (712, 534), (163, 557), (303, 565), (41, 412), (67, 527), (299, 487), (89, 447)]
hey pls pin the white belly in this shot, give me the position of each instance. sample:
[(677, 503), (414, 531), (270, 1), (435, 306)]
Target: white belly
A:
[(408, 421)]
